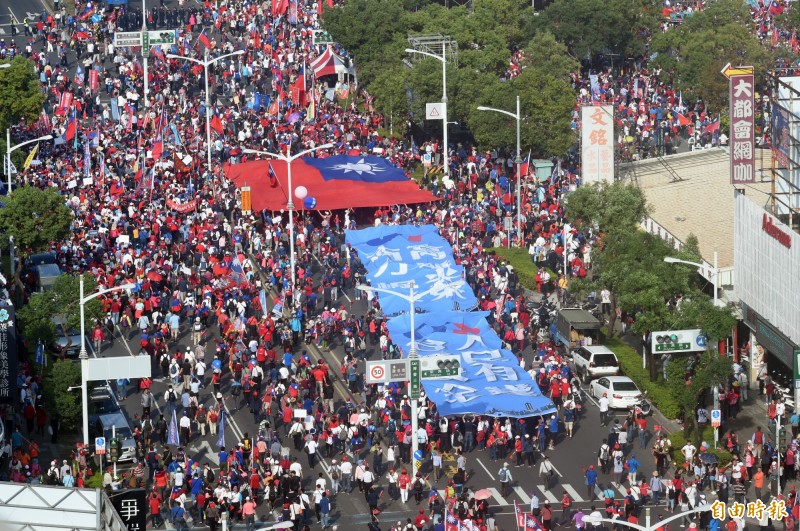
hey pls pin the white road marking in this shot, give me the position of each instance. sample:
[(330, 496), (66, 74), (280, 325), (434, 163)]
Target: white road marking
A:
[(486, 469), (526, 500), (547, 494), (499, 500), (598, 492), (622, 490), (572, 493), (210, 453), (13, 16)]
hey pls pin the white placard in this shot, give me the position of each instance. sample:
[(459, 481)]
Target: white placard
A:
[(434, 111)]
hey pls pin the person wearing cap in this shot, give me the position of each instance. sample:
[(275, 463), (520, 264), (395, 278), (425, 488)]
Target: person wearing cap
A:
[(505, 477), (249, 513), (591, 481)]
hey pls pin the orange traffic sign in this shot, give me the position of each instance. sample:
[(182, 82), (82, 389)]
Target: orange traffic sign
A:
[(730, 71)]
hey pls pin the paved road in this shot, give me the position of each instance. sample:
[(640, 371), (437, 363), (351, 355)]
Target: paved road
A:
[(568, 457)]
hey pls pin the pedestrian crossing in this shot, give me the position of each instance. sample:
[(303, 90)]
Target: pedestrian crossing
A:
[(553, 495)]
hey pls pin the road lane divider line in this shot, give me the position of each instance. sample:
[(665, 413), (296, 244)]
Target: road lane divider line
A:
[(498, 498), (486, 469)]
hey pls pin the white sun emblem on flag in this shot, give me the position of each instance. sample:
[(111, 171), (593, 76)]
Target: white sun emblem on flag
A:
[(358, 167)]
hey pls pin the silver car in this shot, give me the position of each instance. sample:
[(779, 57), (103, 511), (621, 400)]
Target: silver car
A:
[(121, 430), (68, 340)]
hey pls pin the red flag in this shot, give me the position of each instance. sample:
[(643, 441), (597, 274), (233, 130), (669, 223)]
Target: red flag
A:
[(204, 39), (520, 515), (337, 182), (299, 91), (94, 80), (273, 179), (65, 102), (774, 36), (274, 107), (216, 124), (72, 128), (683, 120)]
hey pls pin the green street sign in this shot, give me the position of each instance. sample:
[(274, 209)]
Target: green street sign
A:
[(413, 379), (671, 347), (157, 37), (146, 44)]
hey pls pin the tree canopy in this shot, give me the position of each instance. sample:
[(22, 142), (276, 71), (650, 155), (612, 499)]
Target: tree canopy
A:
[(20, 95), (590, 28), (697, 50), (35, 218), (630, 263), (61, 304)]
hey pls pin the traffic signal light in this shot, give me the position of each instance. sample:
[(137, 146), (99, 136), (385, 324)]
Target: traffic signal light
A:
[(114, 450)]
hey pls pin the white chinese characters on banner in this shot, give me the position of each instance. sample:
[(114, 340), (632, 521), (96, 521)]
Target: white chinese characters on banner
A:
[(597, 143), (743, 160)]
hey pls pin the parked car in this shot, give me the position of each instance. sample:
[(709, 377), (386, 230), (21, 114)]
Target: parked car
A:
[(622, 392), (102, 401), (41, 259), (46, 275), (594, 361), (68, 340), (121, 430)]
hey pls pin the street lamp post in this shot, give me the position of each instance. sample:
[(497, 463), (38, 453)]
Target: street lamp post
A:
[(288, 159), (518, 117), (413, 387), (205, 64), (714, 272), (443, 59), (10, 148), (84, 356)]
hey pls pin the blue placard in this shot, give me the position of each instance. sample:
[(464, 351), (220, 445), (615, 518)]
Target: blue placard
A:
[(418, 455), (100, 443)]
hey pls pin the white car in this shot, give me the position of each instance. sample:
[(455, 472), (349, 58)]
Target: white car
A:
[(621, 391)]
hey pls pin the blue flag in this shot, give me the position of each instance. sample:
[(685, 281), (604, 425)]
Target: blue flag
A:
[(221, 438), (172, 434)]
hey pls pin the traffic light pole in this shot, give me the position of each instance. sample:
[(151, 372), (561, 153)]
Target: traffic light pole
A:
[(413, 359), (114, 445)]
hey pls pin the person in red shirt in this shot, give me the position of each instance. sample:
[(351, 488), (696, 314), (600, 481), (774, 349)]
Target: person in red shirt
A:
[(154, 500)]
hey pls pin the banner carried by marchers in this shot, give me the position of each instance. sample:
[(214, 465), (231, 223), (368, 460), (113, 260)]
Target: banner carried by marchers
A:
[(182, 207), (491, 381), (397, 255), (337, 182)]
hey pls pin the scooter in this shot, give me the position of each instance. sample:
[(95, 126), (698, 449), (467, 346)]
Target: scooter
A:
[(643, 406)]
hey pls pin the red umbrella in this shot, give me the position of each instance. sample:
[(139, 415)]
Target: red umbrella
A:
[(155, 276)]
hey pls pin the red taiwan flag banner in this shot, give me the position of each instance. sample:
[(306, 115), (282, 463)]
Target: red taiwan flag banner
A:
[(520, 516), (336, 182), (94, 80), (205, 40), (273, 179), (683, 120), (72, 127), (299, 91), (216, 124), (64, 103)]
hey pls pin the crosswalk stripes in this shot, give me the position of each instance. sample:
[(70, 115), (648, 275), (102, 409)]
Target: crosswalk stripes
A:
[(622, 490), (572, 493), (598, 492), (547, 494), (523, 496), (499, 500)]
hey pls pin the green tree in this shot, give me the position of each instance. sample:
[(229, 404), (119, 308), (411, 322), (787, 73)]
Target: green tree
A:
[(35, 218), (688, 386), (698, 311), (545, 104), (593, 27), (391, 98), (20, 95), (610, 207), (547, 55), (61, 305), (65, 405), (696, 50)]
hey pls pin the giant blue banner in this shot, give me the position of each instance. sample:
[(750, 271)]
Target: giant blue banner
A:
[(491, 381), (396, 255)]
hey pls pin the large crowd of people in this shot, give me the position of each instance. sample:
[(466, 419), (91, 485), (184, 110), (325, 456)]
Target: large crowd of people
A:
[(148, 210)]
